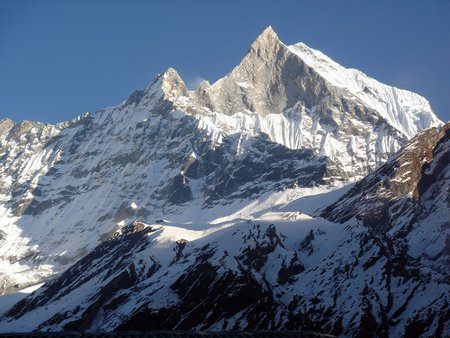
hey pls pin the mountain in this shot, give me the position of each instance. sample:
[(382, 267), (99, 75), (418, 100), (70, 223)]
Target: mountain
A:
[(379, 269), (129, 206)]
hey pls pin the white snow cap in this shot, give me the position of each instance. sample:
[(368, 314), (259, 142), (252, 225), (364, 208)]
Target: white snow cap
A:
[(408, 112)]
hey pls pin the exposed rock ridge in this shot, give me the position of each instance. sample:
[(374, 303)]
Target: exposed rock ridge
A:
[(204, 160), (406, 111), (407, 174), (279, 91)]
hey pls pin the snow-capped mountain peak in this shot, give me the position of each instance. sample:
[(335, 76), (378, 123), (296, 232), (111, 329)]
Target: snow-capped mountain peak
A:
[(408, 112), (170, 166)]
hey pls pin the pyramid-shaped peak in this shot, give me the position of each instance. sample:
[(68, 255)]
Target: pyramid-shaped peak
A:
[(268, 33), (172, 83), (267, 41), (267, 36)]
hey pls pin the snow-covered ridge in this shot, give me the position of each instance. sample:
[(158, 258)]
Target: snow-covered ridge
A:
[(270, 124), (273, 264), (307, 131), (408, 112), (300, 98), (172, 183)]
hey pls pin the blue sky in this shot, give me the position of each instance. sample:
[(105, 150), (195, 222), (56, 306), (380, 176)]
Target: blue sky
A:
[(59, 59)]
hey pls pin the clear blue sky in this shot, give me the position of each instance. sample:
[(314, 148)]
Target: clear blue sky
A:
[(59, 59)]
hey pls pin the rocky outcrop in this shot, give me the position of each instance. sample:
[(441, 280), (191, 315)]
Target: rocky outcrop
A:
[(76, 199), (400, 184), (300, 275)]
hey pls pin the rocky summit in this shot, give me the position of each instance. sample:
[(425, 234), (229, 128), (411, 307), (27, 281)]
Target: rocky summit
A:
[(292, 194)]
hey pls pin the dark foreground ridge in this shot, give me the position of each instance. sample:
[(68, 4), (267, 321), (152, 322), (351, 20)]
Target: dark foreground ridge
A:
[(174, 334)]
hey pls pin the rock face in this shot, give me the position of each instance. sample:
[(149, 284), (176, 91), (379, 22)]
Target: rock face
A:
[(406, 177), (150, 210), (404, 208), (383, 272)]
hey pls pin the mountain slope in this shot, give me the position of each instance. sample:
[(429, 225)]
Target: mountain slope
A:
[(204, 159), (78, 188), (404, 110), (365, 277)]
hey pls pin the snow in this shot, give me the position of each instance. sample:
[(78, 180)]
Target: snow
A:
[(304, 132), (7, 301), (244, 84), (112, 167), (406, 111), (227, 233)]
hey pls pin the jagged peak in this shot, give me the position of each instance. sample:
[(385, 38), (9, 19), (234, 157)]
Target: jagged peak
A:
[(169, 84), (268, 33), (171, 74), (173, 84), (268, 39)]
